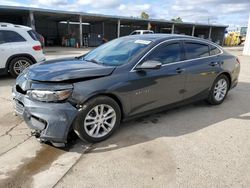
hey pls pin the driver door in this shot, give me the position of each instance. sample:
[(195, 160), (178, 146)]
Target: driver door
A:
[(158, 87)]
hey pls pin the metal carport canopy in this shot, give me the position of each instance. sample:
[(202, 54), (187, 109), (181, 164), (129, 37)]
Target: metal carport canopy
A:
[(59, 15)]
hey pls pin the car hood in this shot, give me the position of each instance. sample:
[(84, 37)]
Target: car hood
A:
[(67, 69)]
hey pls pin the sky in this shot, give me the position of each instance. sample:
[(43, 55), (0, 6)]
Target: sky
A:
[(234, 13)]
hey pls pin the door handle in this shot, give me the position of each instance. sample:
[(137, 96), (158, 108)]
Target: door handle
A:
[(213, 64), (180, 70)]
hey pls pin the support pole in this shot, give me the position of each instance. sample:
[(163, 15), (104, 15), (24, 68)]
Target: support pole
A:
[(246, 50), (172, 29), (32, 20), (103, 29), (193, 30), (149, 26), (118, 28), (80, 30), (210, 32), (68, 27)]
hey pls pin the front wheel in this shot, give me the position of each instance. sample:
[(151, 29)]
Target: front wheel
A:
[(98, 119), (219, 90), (18, 64)]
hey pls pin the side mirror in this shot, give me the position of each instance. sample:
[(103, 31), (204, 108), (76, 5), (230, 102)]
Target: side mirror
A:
[(150, 64)]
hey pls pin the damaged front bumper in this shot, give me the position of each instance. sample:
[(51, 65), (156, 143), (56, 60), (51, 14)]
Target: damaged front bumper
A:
[(50, 121)]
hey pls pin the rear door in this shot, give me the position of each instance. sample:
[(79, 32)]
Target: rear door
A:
[(155, 88), (19, 43), (201, 68)]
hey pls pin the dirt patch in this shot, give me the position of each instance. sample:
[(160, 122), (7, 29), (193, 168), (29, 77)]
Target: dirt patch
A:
[(22, 176)]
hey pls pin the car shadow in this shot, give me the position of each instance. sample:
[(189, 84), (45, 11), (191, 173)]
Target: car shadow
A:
[(179, 121)]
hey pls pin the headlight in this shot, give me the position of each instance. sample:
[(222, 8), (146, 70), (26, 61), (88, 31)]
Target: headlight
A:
[(49, 96)]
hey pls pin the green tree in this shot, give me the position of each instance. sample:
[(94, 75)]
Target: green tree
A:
[(144, 15), (178, 19)]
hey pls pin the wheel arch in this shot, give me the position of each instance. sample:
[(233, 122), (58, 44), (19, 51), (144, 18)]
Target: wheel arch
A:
[(7, 65), (228, 75), (112, 96)]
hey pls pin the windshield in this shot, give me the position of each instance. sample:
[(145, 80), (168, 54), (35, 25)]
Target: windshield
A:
[(116, 52)]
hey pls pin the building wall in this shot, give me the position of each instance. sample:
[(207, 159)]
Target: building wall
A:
[(21, 20), (183, 30), (110, 31), (217, 35), (49, 29), (201, 32)]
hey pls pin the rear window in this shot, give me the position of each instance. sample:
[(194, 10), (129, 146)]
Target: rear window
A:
[(34, 35), (10, 36), (214, 50), (196, 50)]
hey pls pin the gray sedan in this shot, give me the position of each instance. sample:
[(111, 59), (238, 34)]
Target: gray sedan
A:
[(122, 79)]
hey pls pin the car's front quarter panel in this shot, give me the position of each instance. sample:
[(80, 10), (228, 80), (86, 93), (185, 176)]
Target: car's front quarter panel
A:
[(113, 85)]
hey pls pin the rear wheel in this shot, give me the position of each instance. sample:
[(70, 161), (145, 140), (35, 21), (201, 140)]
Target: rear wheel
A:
[(98, 120), (219, 90), (18, 64)]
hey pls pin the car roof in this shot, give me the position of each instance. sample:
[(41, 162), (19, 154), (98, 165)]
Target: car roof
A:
[(13, 26), (142, 30), (158, 37)]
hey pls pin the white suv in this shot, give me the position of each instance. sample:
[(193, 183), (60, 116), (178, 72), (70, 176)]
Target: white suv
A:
[(19, 48)]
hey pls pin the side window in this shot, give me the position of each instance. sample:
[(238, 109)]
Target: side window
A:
[(1, 38), (169, 53), (214, 50), (11, 36), (196, 50)]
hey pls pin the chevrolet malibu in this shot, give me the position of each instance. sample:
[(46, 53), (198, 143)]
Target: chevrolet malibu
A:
[(122, 79)]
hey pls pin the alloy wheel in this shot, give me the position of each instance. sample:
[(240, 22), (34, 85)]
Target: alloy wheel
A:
[(20, 65), (100, 120), (220, 89)]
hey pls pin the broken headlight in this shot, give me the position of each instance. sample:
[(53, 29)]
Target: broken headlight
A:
[(49, 96)]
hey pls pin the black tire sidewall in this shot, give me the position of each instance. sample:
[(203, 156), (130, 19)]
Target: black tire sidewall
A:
[(12, 63), (79, 122), (212, 99)]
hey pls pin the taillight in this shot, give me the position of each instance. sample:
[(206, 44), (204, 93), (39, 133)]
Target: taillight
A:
[(37, 48), (238, 61)]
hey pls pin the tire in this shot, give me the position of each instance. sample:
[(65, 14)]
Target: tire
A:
[(95, 127), (221, 93), (19, 62)]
